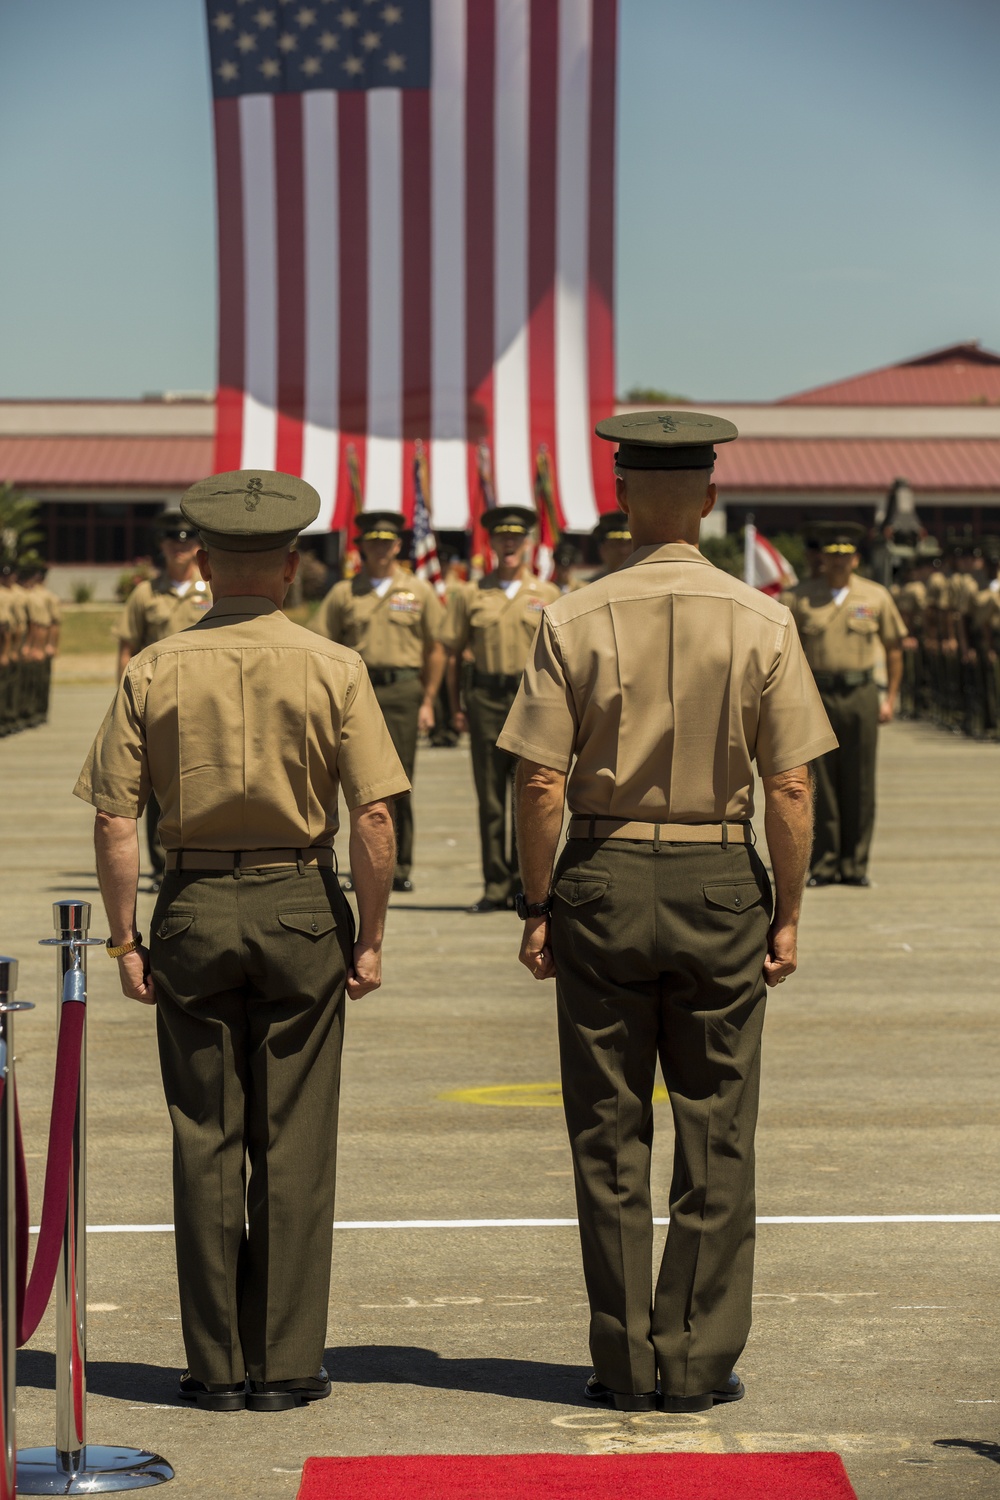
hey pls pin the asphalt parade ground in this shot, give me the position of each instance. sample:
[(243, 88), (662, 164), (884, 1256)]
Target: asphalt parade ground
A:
[(457, 1316)]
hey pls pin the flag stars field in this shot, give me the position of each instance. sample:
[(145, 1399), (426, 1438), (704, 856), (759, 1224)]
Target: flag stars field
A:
[(425, 239)]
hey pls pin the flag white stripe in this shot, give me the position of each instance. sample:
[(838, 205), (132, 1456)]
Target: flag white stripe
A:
[(573, 448), (448, 455), (320, 439), (384, 463), (260, 263), (511, 430)]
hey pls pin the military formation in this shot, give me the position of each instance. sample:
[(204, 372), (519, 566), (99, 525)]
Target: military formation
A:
[(949, 599), (644, 704), (30, 622)]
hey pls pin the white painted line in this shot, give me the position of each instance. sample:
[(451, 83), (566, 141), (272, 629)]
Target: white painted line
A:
[(572, 1223)]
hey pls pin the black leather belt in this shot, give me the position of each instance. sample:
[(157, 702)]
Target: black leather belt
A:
[(496, 682), (386, 676), (843, 680)]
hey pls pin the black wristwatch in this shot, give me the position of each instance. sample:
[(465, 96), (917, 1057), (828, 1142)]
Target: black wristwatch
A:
[(526, 909)]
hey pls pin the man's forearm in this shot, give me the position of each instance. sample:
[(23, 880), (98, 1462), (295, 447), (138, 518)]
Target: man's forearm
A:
[(894, 673), (116, 844), (433, 673), (454, 694), (373, 859), (540, 794), (788, 824)]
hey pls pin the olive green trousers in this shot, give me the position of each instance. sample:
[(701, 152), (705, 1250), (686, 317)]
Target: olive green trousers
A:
[(659, 955), (845, 785), (250, 973), (493, 772), (400, 704)]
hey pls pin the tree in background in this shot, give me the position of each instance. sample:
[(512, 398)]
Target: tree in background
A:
[(648, 395), (19, 528), (726, 552)]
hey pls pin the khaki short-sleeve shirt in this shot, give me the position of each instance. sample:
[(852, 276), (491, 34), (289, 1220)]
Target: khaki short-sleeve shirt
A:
[(155, 609), (246, 727), (658, 687), (55, 607), (912, 599), (842, 637), (394, 630), (17, 603), (498, 628), (39, 613)]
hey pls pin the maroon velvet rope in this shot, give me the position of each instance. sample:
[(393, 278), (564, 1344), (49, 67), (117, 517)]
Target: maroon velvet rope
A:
[(33, 1295)]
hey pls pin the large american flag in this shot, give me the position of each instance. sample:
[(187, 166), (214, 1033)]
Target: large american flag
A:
[(416, 219)]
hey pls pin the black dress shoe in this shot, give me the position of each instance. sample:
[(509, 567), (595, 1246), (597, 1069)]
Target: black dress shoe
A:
[(855, 880), (282, 1395), (733, 1390), (212, 1397), (595, 1390), (485, 904), (815, 880), (402, 883)]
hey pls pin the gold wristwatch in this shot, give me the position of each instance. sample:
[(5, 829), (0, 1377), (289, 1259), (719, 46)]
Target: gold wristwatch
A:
[(123, 948)]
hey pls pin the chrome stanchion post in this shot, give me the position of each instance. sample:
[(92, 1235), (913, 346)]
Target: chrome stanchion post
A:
[(72, 922), (8, 1230), (74, 1466)]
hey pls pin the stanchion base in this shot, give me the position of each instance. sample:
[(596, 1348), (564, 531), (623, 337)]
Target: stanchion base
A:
[(46, 1471)]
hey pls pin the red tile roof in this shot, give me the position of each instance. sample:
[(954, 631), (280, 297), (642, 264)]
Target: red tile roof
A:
[(961, 375), (859, 464), (752, 463), (145, 461)]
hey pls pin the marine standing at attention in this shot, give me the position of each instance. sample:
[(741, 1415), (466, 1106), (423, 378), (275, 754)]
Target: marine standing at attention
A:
[(156, 608), (391, 619), (497, 616), (654, 691), (841, 618), (614, 543), (247, 728)]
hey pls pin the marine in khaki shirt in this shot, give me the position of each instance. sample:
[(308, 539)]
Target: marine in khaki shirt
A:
[(496, 619), (248, 729), (392, 620), (15, 636), (842, 620), (176, 598), (649, 699)]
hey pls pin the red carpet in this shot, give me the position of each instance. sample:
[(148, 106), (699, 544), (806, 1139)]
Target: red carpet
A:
[(556, 1476)]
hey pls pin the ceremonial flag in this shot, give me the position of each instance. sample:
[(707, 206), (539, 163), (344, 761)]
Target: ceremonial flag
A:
[(764, 567), (548, 525), (416, 223), (426, 563)]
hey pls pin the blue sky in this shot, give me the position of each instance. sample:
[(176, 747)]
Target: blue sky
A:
[(806, 189)]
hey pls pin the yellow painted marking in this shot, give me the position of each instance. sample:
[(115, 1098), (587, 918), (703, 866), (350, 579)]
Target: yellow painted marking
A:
[(521, 1095)]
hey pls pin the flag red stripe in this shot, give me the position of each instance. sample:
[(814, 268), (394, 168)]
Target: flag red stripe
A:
[(479, 236), (289, 189), (600, 298), (416, 281), (542, 190), (352, 184), (229, 197)]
